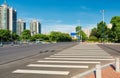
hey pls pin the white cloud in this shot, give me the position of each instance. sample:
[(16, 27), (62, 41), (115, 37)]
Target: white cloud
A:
[(66, 28)]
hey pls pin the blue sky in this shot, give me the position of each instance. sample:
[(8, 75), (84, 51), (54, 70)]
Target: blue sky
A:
[(65, 15)]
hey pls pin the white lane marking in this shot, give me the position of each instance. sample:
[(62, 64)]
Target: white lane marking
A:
[(83, 56), (44, 61), (41, 72), (57, 66), (79, 59)]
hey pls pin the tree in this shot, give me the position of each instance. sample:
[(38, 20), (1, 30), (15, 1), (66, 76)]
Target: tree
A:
[(59, 37), (94, 32), (26, 35), (93, 38), (78, 30), (110, 35), (116, 28), (15, 36), (101, 30), (84, 36), (5, 35), (40, 37)]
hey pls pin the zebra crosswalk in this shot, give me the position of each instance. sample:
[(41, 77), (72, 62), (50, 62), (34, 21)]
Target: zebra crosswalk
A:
[(67, 63)]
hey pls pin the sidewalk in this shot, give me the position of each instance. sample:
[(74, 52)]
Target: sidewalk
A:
[(107, 72)]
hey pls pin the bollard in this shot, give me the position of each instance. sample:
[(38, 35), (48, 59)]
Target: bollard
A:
[(117, 64), (98, 71)]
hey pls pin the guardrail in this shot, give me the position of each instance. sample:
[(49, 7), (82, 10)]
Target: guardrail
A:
[(98, 69)]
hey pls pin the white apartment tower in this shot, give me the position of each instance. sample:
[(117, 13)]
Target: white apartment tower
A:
[(35, 27), (8, 17), (21, 26)]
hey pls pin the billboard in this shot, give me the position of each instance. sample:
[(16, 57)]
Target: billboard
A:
[(73, 34)]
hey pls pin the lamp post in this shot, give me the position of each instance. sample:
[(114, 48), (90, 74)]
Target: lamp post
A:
[(103, 25)]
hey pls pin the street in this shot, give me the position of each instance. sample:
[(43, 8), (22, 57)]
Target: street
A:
[(9, 54), (42, 62)]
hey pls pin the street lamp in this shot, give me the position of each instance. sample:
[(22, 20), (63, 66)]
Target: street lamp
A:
[(103, 24)]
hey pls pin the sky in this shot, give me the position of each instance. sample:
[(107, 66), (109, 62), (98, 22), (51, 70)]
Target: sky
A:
[(65, 15)]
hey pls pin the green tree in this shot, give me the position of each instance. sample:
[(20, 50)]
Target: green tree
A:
[(101, 30), (93, 38), (116, 28), (94, 32), (78, 30), (84, 36), (15, 36), (40, 37), (5, 35), (59, 37), (26, 35)]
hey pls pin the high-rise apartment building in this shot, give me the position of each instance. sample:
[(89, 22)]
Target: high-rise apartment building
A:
[(8, 17), (35, 27), (21, 26)]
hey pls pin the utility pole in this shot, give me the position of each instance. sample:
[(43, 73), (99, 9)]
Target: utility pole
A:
[(103, 16)]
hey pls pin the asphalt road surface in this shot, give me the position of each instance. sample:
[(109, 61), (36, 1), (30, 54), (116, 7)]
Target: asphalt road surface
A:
[(112, 49), (53, 60), (13, 53)]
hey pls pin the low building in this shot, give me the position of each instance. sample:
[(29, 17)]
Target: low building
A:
[(87, 32)]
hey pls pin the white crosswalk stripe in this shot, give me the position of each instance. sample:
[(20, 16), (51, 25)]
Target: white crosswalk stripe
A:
[(58, 66), (41, 72), (79, 59), (82, 56), (84, 62)]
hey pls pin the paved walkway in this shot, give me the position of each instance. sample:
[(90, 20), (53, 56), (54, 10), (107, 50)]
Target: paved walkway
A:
[(107, 72), (66, 64)]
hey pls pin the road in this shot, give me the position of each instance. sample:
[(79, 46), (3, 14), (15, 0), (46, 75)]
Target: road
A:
[(53, 60), (112, 49), (14, 53)]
